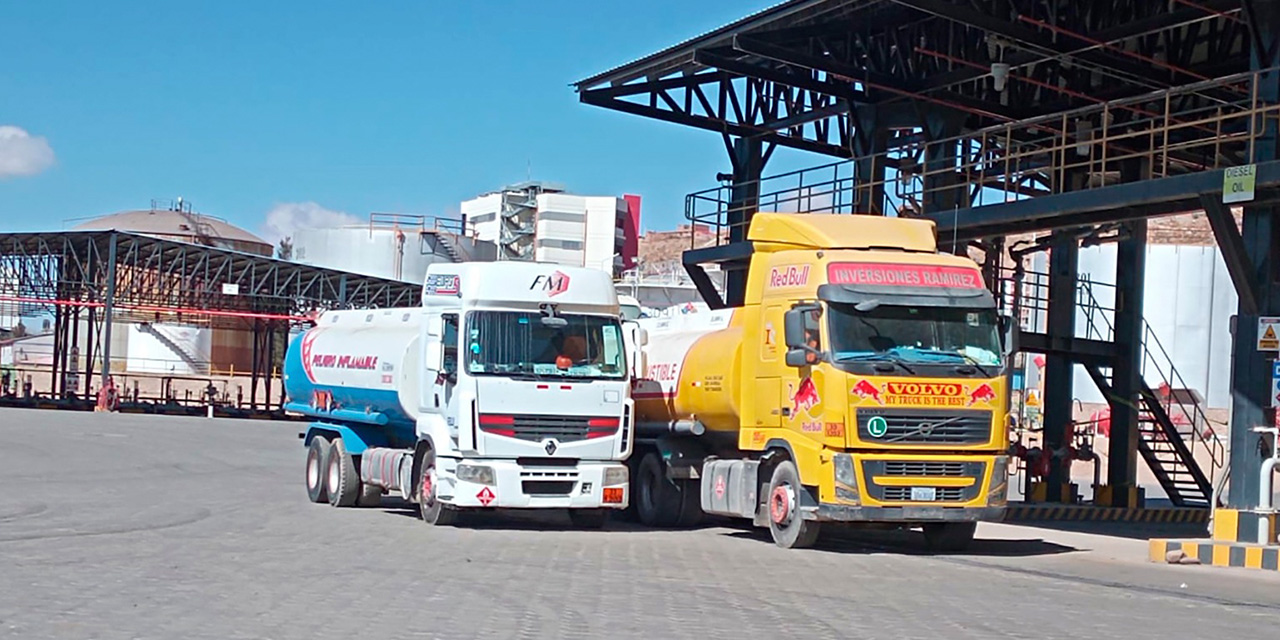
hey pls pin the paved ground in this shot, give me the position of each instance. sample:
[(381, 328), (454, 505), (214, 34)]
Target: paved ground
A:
[(148, 527)]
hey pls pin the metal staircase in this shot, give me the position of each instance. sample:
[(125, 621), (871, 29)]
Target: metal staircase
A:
[(1170, 434), (192, 361)]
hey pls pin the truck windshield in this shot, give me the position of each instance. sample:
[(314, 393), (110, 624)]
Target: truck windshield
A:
[(925, 335), (514, 343)]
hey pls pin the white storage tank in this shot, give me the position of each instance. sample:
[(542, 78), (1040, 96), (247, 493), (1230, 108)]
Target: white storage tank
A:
[(394, 252)]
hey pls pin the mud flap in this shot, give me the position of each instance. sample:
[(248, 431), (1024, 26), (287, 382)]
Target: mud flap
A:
[(730, 487)]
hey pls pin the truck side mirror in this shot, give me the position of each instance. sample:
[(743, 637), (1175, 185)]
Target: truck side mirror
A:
[(1009, 334), (793, 328), (797, 358)]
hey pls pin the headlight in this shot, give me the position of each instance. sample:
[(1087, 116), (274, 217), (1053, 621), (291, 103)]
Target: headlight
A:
[(846, 481), (479, 474), (615, 475), (999, 491)]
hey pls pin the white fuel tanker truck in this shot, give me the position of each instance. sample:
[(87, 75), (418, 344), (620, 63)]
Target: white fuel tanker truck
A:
[(507, 388)]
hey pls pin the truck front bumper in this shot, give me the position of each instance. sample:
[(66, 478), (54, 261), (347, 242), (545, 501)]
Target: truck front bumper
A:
[(537, 487), (912, 514)]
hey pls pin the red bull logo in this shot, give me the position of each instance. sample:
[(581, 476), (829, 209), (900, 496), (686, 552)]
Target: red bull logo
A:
[(982, 393), (925, 394), (866, 390), (805, 397)]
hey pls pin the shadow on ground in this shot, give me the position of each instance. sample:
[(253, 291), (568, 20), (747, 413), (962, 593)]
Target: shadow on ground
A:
[(850, 540), (1130, 530)]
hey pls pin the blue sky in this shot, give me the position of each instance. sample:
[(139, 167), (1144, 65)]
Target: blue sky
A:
[(397, 105)]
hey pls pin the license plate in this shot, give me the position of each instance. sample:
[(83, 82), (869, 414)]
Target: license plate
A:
[(923, 494)]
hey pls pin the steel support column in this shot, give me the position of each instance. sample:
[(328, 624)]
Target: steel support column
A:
[(870, 142), (748, 164), (1251, 369), (1064, 259), (108, 317), (1126, 372), (944, 188)]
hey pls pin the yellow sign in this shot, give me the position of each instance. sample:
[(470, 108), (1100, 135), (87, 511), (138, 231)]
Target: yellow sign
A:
[(1033, 398), (1268, 340), (1238, 183)]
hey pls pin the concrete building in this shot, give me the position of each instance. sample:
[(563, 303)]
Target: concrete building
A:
[(541, 222)]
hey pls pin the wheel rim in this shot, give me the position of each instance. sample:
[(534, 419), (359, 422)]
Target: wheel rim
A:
[(313, 470), (780, 505), (428, 492), (335, 474)]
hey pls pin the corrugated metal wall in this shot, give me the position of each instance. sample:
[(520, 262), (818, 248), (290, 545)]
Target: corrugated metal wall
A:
[(1188, 303)]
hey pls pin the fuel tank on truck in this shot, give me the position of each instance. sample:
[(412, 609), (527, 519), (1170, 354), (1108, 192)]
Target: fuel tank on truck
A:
[(691, 370), (359, 361)]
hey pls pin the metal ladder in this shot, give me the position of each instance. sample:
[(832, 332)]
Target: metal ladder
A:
[(1168, 452)]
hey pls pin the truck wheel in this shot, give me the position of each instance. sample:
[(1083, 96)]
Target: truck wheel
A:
[(789, 529), (344, 481), (370, 496), (690, 503), (949, 537), (589, 518), (432, 510), (656, 497), (317, 468)]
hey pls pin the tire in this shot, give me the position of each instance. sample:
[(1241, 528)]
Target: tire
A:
[(343, 479), (789, 529), (370, 496), (317, 469), (433, 512), (589, 518), (690, 503), (656, 497), (949, 537)]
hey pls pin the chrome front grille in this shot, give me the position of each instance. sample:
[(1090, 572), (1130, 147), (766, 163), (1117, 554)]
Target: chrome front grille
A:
[(924, 426), (562, 428), (923, 468)]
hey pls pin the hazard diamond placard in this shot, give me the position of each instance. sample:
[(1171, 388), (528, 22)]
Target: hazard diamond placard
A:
[(1269, 334)]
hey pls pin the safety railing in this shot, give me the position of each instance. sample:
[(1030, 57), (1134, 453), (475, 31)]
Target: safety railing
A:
[(1198, 127), (1155, 359)]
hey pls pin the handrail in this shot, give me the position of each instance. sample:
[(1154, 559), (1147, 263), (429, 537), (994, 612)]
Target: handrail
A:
[(1174, 131)]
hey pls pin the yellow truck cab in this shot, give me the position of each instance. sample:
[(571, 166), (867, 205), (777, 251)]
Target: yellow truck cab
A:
[(862, 380)]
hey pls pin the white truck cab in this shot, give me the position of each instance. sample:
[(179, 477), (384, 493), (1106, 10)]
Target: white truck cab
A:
[(525, 398)]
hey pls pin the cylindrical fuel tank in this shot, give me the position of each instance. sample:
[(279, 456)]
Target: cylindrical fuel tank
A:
[(364, 361), (692, 364)]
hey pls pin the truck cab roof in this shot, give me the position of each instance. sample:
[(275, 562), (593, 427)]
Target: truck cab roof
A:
[(519, 285)]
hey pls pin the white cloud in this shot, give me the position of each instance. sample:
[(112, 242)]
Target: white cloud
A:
[(284, 219), (22, 154)]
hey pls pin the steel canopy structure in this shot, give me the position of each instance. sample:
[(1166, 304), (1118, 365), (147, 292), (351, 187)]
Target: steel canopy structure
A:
[(996, 117), (93, 278)]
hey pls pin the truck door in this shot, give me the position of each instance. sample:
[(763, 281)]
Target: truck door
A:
[(635, 339), (802, 386), (768, 383), (440, 361)]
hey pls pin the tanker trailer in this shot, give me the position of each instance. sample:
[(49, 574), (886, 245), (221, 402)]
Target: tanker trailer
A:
[(508, 388), (862, 381)]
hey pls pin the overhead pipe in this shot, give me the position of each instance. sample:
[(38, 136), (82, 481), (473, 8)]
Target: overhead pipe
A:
[(1048, 85), (1105, 45), (1221, 14)]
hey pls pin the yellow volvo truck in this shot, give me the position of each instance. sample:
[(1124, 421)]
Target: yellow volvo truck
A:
[(863, 380)]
